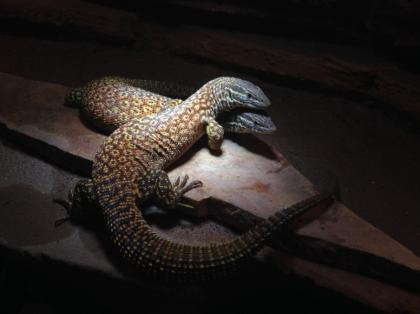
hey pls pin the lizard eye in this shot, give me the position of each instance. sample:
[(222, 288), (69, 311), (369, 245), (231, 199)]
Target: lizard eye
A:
[(249, 96)]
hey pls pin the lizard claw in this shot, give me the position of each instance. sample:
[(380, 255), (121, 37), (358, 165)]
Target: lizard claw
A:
[(59, 222), (185, 205), (176, 182), (184, 181), (65, 204), (192, 185), (181, 187)]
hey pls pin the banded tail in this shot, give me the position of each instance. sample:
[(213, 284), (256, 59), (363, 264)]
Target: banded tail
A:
[(173, 261)]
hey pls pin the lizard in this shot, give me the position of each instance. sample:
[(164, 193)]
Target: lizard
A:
[(129, 168), (111, 101)]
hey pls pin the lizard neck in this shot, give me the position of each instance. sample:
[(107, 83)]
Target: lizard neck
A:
[(179, 128), (212, 99)]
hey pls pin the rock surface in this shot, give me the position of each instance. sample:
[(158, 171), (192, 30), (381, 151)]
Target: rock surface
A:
[(235, 176)]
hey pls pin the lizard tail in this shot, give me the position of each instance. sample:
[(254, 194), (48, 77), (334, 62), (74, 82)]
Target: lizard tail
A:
[(74, 97), (169, 260)]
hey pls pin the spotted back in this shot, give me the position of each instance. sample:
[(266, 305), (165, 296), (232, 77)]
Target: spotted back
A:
[(112, 101), (142, 146)]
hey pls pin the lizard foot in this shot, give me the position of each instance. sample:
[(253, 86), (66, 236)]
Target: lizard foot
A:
[(182, 187), (81, 205), (168, 194)]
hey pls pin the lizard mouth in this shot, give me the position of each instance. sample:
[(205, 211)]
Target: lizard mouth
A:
[(246, 120)]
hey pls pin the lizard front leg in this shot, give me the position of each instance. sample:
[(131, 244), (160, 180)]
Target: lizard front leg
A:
[(157, 185), (215, 133)]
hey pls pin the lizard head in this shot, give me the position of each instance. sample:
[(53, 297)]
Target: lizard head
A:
[(243, 94), (247, 121), (241, 104)]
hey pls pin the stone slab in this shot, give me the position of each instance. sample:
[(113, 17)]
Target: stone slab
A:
[(86, 247), (247, 174), (386, 298)]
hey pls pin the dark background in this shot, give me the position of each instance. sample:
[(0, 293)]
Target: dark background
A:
[(344, 77)]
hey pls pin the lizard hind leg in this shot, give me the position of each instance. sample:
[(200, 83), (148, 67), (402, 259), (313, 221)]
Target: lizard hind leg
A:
[(168, 194), (82, 203), (74, 97)]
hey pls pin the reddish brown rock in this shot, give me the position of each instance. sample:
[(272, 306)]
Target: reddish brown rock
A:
[(250, 176)]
